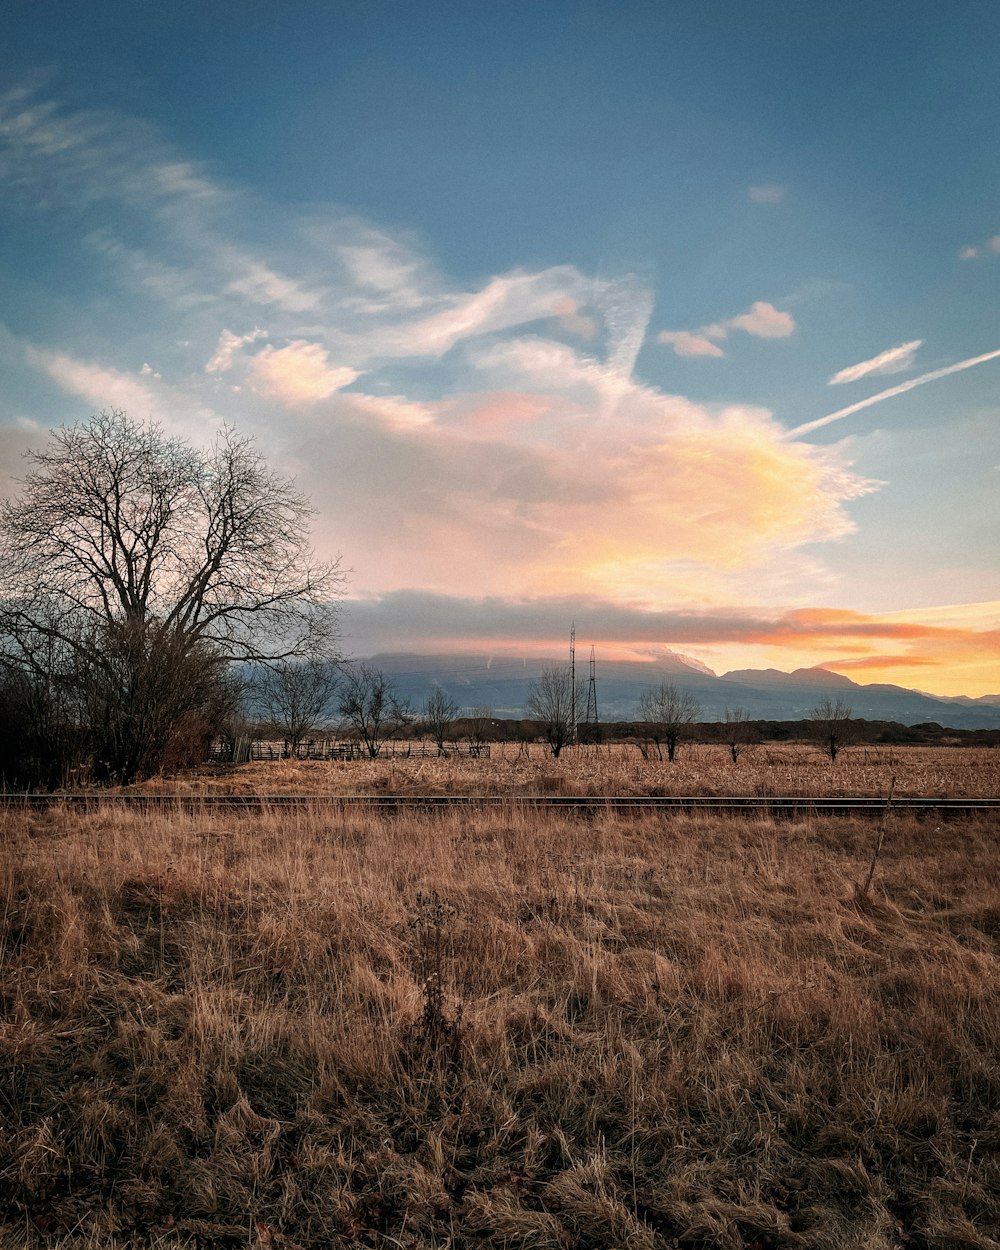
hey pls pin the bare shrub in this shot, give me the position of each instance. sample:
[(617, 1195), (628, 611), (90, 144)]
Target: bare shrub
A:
[(833, 726), (666, 712)]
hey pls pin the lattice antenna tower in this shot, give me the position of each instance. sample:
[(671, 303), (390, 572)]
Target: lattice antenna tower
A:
[(591, 720), (572, 677)]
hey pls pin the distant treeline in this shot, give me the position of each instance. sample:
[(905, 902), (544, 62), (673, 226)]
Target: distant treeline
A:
[(870, 732)]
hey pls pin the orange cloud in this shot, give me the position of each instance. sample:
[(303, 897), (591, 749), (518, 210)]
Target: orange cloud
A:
[(687, 343), (958, 654), (880, 662)]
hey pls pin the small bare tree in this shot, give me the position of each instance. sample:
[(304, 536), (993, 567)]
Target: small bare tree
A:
[(832, 725), (550, 702), (741, 732), (666, 712), (439, 714), (295, 695), (370, 704), (478, 723)]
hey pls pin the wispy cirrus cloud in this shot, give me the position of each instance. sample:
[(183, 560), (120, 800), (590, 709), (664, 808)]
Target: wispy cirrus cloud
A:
[(761, 320), (98, 384), (960, 366), (976, 251), (766, 193), (143, 393), (895, 360)]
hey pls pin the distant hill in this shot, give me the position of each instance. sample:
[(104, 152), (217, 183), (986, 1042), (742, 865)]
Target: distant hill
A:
[(502, 683)]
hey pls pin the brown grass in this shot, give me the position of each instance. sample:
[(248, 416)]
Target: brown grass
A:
[(499, 1029), (769, 769)]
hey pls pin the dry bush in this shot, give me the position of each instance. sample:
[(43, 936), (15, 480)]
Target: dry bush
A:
[(499, 1028)]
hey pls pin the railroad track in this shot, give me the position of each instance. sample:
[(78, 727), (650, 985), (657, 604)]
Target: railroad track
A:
[(774, 805)]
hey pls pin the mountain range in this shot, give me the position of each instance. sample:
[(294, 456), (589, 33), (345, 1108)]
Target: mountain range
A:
[(502, 683)]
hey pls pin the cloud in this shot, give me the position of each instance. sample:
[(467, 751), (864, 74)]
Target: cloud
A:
[(100, 386), (51, 158), (626, 307), (573, 321), (505, 301), (393, 411), (175, 286), (183, 178), (685, 343), (901, 389), (881, 662), (389, 273), (761, 320), (766, 193), (263, 286), (299, 373), (415, 620), (145, 394), (974, 251), (895, 360), (229, 344), (539, 490)]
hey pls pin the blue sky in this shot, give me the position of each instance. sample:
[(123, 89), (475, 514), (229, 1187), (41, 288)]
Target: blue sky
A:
[(530, 297)]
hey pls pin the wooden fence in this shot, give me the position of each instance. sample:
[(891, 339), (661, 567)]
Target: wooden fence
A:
[(242, 750)]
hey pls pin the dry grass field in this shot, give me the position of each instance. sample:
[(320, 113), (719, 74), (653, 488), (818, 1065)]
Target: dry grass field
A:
[(767, 769), (503, 1028)]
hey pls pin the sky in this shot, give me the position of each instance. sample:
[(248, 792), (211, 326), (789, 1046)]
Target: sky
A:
[(676, 320)]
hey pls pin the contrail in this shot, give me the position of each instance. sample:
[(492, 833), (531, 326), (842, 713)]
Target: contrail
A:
[(901, 389)]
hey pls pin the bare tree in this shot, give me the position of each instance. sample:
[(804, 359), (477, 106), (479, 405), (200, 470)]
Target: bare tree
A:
[(146, 565), (741, 732), (832, 725), (478, 724), (370, 704), (295, 695), (666, 711), (550, 702), (439, 714)]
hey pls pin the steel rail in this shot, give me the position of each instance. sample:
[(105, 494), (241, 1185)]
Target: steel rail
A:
[(775, 804)]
